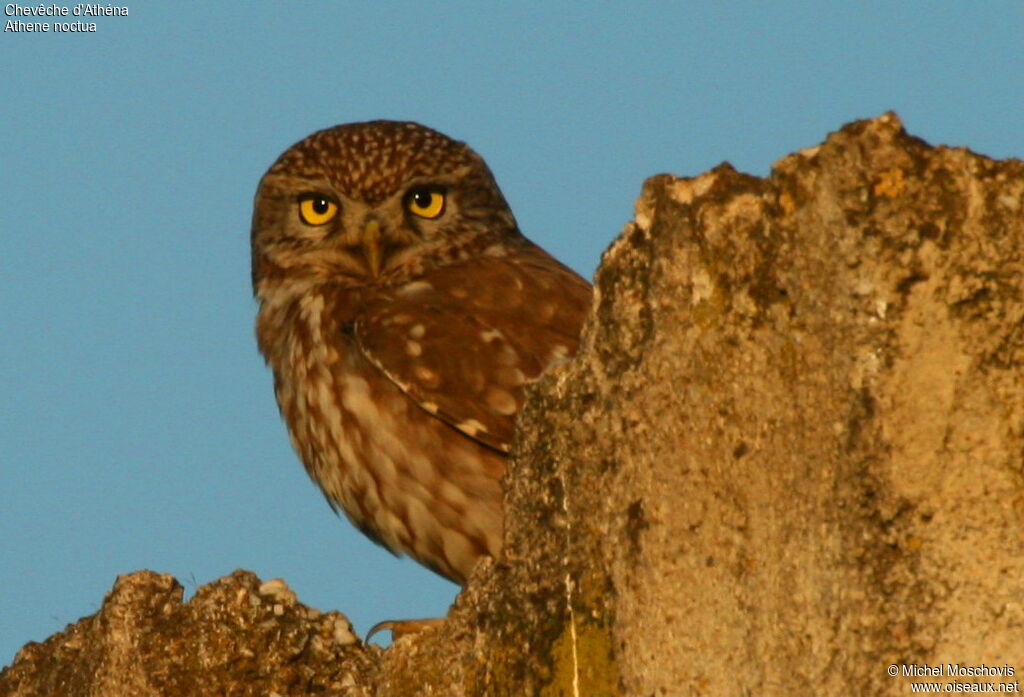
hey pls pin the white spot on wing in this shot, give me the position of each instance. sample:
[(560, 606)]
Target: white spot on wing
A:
[(472, 427), (489, 335), (415, 288), (429, 378), (501, 401)]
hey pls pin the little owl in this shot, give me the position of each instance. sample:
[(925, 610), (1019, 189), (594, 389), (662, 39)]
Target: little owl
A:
[(402, 313)]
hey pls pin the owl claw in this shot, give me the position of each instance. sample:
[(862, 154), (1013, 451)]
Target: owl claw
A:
[(401, 628)]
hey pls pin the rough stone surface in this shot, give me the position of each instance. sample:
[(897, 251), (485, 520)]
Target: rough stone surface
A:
[(791, 451), (789, 455), (234, 637)]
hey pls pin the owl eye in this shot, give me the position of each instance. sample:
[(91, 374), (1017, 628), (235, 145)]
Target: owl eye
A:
[(316, 209), (425, 202)]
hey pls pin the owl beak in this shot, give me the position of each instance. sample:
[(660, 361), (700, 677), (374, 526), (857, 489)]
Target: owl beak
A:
[(371, 246)]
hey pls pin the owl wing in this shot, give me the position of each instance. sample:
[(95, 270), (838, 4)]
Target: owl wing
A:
[(463, 340)]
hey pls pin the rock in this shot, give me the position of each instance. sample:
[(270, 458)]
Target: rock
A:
[(790, 453), (232, 638)]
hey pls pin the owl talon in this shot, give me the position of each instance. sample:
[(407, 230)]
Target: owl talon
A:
[(401, 628)]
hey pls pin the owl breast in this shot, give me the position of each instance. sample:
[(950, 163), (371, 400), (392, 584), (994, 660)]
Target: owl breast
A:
[(406, 478)]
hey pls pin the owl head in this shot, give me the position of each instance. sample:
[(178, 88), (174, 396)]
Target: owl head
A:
[(373, 203)]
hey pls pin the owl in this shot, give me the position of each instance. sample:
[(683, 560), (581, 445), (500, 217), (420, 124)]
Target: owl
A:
[(402, 313)]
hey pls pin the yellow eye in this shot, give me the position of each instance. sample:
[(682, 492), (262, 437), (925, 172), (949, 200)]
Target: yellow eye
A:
[(316, 209), (424, 202)]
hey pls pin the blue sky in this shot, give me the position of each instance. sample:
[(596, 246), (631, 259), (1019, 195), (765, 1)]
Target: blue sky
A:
[(137, 423)]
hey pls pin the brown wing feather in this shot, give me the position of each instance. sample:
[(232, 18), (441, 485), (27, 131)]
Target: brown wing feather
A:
[(511, 317)]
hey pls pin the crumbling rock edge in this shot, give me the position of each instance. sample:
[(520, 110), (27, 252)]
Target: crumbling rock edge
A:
[(789, 455), (235, 636)]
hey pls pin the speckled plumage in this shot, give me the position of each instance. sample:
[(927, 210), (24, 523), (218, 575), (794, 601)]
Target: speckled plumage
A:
[(400, 343)]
